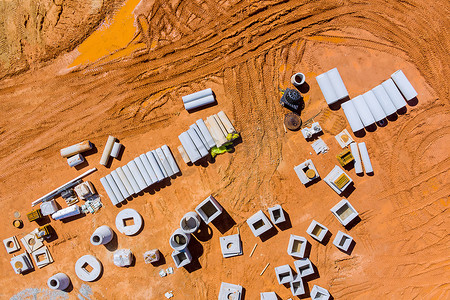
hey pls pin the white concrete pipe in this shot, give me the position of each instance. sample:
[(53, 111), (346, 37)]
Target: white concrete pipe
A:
[(190, 222), (131, 179), (125, 181), (197, 95), (199, 102), (374, 106), (171, 159), (160, 164), (116, 149), (148, 167), (137, 175), (298, 79), (109, 191), (66, 212), (120, 184), (155, 166), (394, 94), (226, 122), (107, 151), (363, 111), (365, 158), (143, 171), (165, 162), (352, 116), (75, 160), (75, 149), (59, 281), (355, 153), (115, 188), (206, 134), (189, 147), (197, 142), (384, 100), (404, 85), (217, 133), (200, 135), (327, 88), (102, 235), (219, 122), (179, 240), (337, 83)]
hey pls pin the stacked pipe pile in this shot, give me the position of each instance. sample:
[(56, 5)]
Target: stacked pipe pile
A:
[(140, 173), (203, 136), (332, 86), (198, 99)]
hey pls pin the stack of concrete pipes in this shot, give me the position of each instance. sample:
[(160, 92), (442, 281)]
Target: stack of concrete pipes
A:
[(198, 140), (112, 149), (198, 99), (140, 173), (382, 101)]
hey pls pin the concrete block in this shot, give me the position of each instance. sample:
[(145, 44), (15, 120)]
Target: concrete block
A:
[(259, 223), (342, 241), (102, 235), (66, 212), (31, 242), (152, 256), (306, 172), (319, 293), (209, 209), (48, 207), (88, 268), (75, 160), (344, 212), (231, 245), (182, 258), (297, 246), (319, 146), (230, 291), (11, 244), (344, 138), (190, 222), (179, 240), (269, 296), (59, 281), (42, 257), (123, 258), (304, 267), (128, 221), (284, 274), (276, 214), (21, 263), (297, 286), (84, 190), (116, 149), (317, 230), (338, 180), (311, 131)]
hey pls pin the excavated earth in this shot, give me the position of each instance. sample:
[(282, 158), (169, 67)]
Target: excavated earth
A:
[(55, 93)]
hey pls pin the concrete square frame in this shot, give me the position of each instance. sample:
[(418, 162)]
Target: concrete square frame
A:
[(259, 223), (344, 212), (319, 293), (304, 267), (230, 245), (342, 241), (284, 274), (11, 244), (276, 214), (230, 291), (297, 246), (42, 252), (335, 174), (317, 230), (297, 286), (209, 209), (301, 174)]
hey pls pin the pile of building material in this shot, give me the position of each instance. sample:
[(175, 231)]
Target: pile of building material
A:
[(140, 173), (332, 86), (198, 99), (112, 149), (72, 153), (207, 136)]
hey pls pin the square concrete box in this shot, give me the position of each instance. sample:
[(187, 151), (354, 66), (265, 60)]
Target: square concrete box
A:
[(209, 209), (182, 258), (276, 214), (31, 242), (297, 287), (11, 244), (317, 230), (42, 257), (344, 138), (230, 291), (304, 267), (306, 172), (342, 241), (297, 246), (21, 263), (259, 223), (269, 296), (231, 245), (284, 274), (319, 293), (344, 212), (338, 180)]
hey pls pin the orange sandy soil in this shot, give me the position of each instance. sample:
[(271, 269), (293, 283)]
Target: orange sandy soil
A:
[(245, 51)]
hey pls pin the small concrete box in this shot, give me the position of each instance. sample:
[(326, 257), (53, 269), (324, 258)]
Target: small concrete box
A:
[(306, 172), (21, 263), (284, 274), (209, 209), (344, 212), (338, 180), (182, 258), (259, 223), (230, 291), (342, 241), (297, 246), (297, 286), (304, 267), (231, 245), (269, 296), (276, 214), (317, 230), (319, 293), (11, 244)]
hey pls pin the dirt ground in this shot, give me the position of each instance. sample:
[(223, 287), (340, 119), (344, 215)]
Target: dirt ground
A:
[(83, 79)]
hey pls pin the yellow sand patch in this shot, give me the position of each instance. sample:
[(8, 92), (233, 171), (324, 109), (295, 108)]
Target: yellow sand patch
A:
[(323, 38)]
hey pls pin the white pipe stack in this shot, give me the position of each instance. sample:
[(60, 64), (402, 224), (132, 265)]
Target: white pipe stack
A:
[(206, 134), (363, 111), (384, 100), (404, 85), (374, 106), (155, 166), (198, 99), (189, 147), (332, 86), (352, 116), (365, 158), (357, 157), (394, 94)]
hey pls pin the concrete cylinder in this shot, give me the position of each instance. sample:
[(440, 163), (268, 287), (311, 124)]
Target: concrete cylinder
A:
[(365, 158), (155, 166), (337, 83), (116, 149), (298, 79), (197, 142), (352, 116), (137, 175), (189, 147), (384, 100), (374, 106), (363, 111), (170, 159), (199, 102), (109, 190), (75, 160), (143, 171), (159, 154), (205, 132), (190, 222), (148, 167), (355, 153), (120, 184), (197, 95), (114, 188), (131, 179), (102, 236), (393, 92), (107, 151), (75, 149), (404, 85), (197, 130), (179, 240), (125, 181), (59, 281), (327, 88)]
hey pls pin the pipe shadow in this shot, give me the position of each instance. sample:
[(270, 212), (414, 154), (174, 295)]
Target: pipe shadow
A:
[(204, 232), (353, 223), (73, 218), (215, 103), (413, 102), (196, 250), (393, 117), (382, 123), (84, 164), (326, 238), (268, 234), (360, 133), (161, 261), (53, 235), (402, 110), (303, 88), (371, 127), (113, 244)]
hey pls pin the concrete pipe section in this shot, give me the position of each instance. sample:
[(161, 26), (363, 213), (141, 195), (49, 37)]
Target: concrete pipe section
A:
[(179, 240), (59, 281), (190, 222), (128, 221), (88, 268), (298, 79), (102, 235)]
